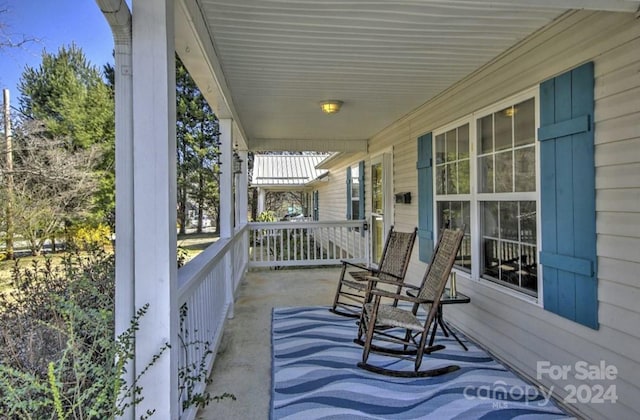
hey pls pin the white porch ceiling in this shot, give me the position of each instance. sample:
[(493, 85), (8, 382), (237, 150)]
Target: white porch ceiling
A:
[(275, 60)]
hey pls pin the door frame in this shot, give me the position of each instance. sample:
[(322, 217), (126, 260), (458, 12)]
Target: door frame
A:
[(384, 157)]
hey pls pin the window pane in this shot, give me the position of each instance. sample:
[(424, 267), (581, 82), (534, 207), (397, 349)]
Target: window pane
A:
[(440, 179), (528, 222), (442, 209), (525, 122), (507, 258), (485, 134), (529, 269), (376, 189), (452, 178), (509, 262), (509, 220), (355, 210), (490, 218), (355, 182), (504, 172), (465, 249), (463, 177), (440, 149), (355, 191), (452, 150), (491, 253), (453, 214), (503, 131), (463, 142), (525, 167), (485, 164), (466, 217)]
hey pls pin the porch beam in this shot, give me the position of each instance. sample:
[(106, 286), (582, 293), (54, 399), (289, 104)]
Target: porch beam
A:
[(602, 5), (318, 145), (154, 174)]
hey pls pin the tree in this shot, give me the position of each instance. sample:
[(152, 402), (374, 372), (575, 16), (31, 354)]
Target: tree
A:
[(53, 184), (197, 134), (69, 96), (8, 40)]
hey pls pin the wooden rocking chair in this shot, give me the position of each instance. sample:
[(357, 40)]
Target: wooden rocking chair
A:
[(401, 327), (351, 291)]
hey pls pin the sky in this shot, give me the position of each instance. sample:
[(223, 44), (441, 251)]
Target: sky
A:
[(54, 23)]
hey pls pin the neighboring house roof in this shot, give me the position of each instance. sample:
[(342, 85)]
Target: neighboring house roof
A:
[(286, 170)]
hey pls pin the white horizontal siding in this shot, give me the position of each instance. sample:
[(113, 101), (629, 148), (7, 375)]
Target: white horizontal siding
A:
[(617, 270), (523, 333), (618, 224), (332, 196), (406, 180)]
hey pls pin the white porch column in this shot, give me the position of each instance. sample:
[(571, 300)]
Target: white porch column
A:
[(226, 178), (154, 155), (226, 204), (261, 199), (242, 192)]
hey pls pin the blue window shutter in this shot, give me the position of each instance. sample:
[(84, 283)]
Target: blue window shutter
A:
[(567, 200), (349, 204), (425, 197), (361, 187)]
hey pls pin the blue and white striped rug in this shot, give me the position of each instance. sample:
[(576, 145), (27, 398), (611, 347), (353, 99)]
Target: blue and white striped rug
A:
[(315, 376)]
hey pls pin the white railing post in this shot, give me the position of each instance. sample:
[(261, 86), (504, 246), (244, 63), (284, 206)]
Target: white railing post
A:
[(154, 174)]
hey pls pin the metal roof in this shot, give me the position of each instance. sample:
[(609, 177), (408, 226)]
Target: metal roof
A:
[(286, 170)]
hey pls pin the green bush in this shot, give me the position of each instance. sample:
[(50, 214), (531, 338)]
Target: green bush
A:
[(58, 355)]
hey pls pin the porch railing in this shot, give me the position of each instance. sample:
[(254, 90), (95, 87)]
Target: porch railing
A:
[(206, 287), (207, 284), (303, 243)]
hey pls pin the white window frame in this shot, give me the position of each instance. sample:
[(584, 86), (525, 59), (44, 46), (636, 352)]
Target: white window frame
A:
[(355, 179), (475, 198), (456, 197)]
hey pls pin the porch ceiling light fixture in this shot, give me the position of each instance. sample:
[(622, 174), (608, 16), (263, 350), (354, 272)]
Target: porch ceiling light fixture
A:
[(331, 106)]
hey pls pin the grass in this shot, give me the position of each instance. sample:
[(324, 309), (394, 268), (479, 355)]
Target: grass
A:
[(195, 243), (6, 266), (192, 243)]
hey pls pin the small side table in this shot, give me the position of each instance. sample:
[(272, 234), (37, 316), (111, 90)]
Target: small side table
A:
[(447, 299)]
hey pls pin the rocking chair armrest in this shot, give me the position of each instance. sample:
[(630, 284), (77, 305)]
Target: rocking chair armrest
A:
[(357, 265), (409, 298), (375, 279)]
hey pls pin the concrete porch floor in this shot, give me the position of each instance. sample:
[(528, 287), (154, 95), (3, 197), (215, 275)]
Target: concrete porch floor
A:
[(243, 363)]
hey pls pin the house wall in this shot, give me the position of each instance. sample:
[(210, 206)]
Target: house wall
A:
[(515, 330)]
